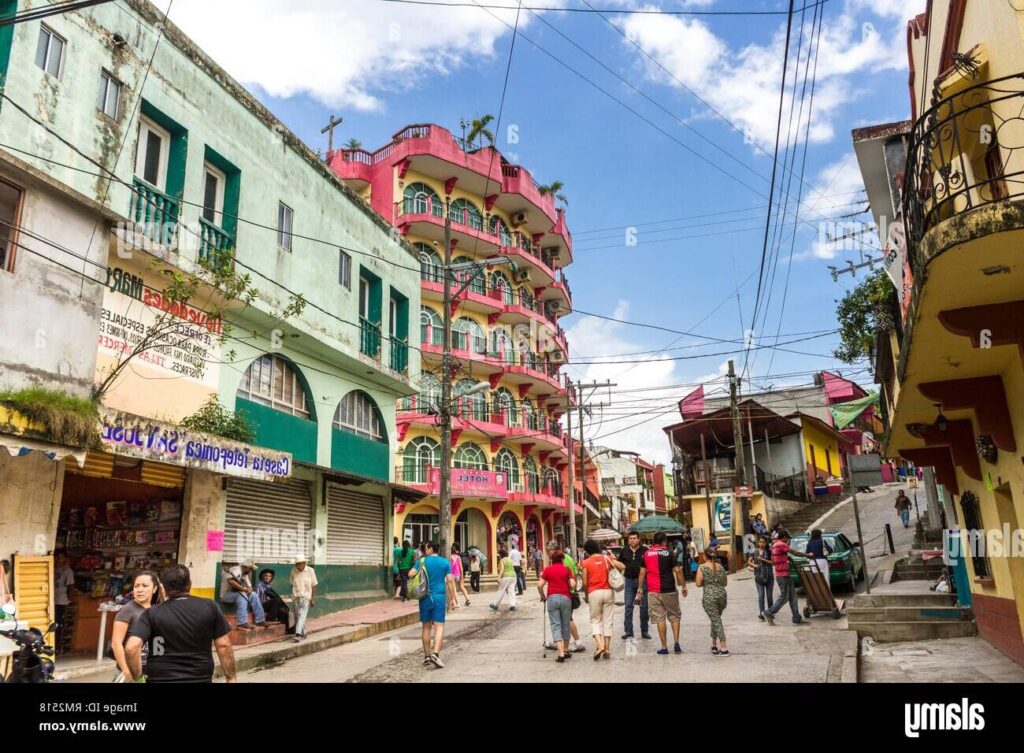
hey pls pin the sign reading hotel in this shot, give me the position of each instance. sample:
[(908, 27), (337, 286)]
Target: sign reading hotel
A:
[(469, 482), (186, 357), (137, 437)]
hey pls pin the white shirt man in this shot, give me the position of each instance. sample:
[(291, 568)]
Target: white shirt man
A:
[(517, 561), (303, 579)]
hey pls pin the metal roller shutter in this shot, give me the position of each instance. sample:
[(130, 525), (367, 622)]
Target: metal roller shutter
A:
[(355, 527), (265, 513)]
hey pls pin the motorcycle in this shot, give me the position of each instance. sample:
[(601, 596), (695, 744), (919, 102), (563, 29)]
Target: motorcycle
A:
[(32, 662)]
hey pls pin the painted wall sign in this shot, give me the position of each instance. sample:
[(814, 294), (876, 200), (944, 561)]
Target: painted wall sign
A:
[(134, 436), (722, 514), (469, 482)]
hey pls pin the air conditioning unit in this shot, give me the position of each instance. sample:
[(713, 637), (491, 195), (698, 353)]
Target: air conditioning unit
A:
[(519, 218), (522, 275)]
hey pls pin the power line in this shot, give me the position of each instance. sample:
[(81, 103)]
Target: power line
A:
[(54, 9), (630, 11), (775, 163)]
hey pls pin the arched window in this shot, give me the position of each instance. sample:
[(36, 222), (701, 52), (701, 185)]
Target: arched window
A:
[(502, 284), (469, 335), (473, 406), (271, 380), (417, 456), (419, 198), (526, 299), (478, 284), (532, 477), (500, 229), (501, 344), (552, 483), (506, 463), (431, 327), (464, 213), (470, 456), (430, 263), (358, 414), (504, 402), (429, 393)]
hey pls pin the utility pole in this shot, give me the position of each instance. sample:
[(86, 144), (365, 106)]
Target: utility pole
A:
[(445, 414), (571, 491), (737, 427), (583, 470)]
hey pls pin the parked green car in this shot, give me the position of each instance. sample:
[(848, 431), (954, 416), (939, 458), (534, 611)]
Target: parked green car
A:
[(845, 564)]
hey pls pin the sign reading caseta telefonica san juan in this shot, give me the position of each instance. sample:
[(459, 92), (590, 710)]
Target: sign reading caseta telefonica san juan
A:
[(127, 434)]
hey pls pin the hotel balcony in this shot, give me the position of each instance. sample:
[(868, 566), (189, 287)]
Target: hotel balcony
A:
[(433, 151)]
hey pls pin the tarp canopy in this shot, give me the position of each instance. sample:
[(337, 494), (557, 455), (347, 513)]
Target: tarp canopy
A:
[(845, 414)]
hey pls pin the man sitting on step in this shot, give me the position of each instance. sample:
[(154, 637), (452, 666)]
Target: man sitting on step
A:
[(236, 588)]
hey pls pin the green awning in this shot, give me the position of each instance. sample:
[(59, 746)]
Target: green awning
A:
[(846, 413)]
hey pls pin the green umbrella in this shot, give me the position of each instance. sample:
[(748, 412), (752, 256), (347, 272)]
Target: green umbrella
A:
[(655, 523)]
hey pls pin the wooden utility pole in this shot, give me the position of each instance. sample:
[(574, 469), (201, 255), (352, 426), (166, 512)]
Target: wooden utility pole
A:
[(737, 427)]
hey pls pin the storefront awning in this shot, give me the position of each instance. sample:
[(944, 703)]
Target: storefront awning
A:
[(19, 446)]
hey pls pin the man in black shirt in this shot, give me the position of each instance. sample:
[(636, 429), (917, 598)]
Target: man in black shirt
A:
[(179, 632), (632, 556)]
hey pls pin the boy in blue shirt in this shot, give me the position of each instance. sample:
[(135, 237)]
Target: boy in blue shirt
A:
[(432, 606)]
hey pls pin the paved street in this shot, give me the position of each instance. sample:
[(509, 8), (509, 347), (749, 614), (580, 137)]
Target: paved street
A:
[(482, 646)]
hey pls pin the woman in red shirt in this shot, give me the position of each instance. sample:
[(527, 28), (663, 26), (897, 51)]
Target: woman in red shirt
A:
[(600, 596), (560, 583)]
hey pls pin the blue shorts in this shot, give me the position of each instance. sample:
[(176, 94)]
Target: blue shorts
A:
[(432, 608)]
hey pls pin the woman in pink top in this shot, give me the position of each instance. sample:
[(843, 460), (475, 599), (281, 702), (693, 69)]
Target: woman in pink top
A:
[(458, 578)]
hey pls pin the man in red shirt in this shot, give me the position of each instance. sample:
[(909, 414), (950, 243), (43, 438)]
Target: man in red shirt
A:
[(787, 591), (663, 573)]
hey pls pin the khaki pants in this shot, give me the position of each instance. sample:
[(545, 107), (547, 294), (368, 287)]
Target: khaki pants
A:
[(602, 610)]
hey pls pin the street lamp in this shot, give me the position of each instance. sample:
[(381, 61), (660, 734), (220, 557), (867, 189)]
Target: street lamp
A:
[(444, 417)]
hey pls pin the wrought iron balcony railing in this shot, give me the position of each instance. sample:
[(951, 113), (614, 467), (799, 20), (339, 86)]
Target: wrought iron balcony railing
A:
[(966, 151)]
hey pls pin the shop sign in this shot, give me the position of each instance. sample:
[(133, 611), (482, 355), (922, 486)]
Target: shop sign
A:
[(126, 434)]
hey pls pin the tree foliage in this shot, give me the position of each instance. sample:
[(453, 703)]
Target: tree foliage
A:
[(214, 418), (862, 313)]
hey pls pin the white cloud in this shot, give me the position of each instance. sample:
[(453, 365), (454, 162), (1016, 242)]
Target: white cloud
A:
[(599, 338), (743, 84), (837, 189), (344, 54)]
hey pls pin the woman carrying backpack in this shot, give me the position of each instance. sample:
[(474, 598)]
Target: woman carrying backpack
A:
[(760, 562)]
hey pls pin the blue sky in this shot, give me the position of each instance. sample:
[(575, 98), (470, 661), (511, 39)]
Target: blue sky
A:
[(383, 65)]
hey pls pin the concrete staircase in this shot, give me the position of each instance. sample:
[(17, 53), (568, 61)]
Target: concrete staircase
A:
[(909, 617), (271, 632), (916, 568), (799, 521)]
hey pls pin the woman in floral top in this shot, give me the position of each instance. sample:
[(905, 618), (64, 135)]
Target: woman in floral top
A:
[(713, 578)]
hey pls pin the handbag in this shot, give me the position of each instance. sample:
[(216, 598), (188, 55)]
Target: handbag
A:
[(576, 601), (615, 578), (419, 584), (693, 566)]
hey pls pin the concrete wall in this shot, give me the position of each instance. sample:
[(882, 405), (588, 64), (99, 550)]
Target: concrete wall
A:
[(30, 490), (786, 456), (50, 299), (202, 511)]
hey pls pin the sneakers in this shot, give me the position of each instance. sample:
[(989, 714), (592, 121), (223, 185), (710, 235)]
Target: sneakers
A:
[(645, 636), (761, 616), (297, 638), (798, 620), (627, 636), (677, 649), (436, 661), (663, 651), (550, 647), (579, 648), (724, 652), (426, 661), (769, 618), (714, 651), (493, 606)]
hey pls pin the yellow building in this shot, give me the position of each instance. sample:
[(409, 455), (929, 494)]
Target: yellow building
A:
[(510, 454), (952, 371)]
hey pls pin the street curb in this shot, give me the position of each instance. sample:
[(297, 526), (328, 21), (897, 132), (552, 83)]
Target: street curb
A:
[(850, 669), (314, 645)]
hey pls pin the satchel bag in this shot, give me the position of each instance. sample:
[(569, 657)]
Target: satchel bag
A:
[(615, 579)]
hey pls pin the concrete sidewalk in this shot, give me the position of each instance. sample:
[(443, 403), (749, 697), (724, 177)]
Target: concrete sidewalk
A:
[(324, 632)]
